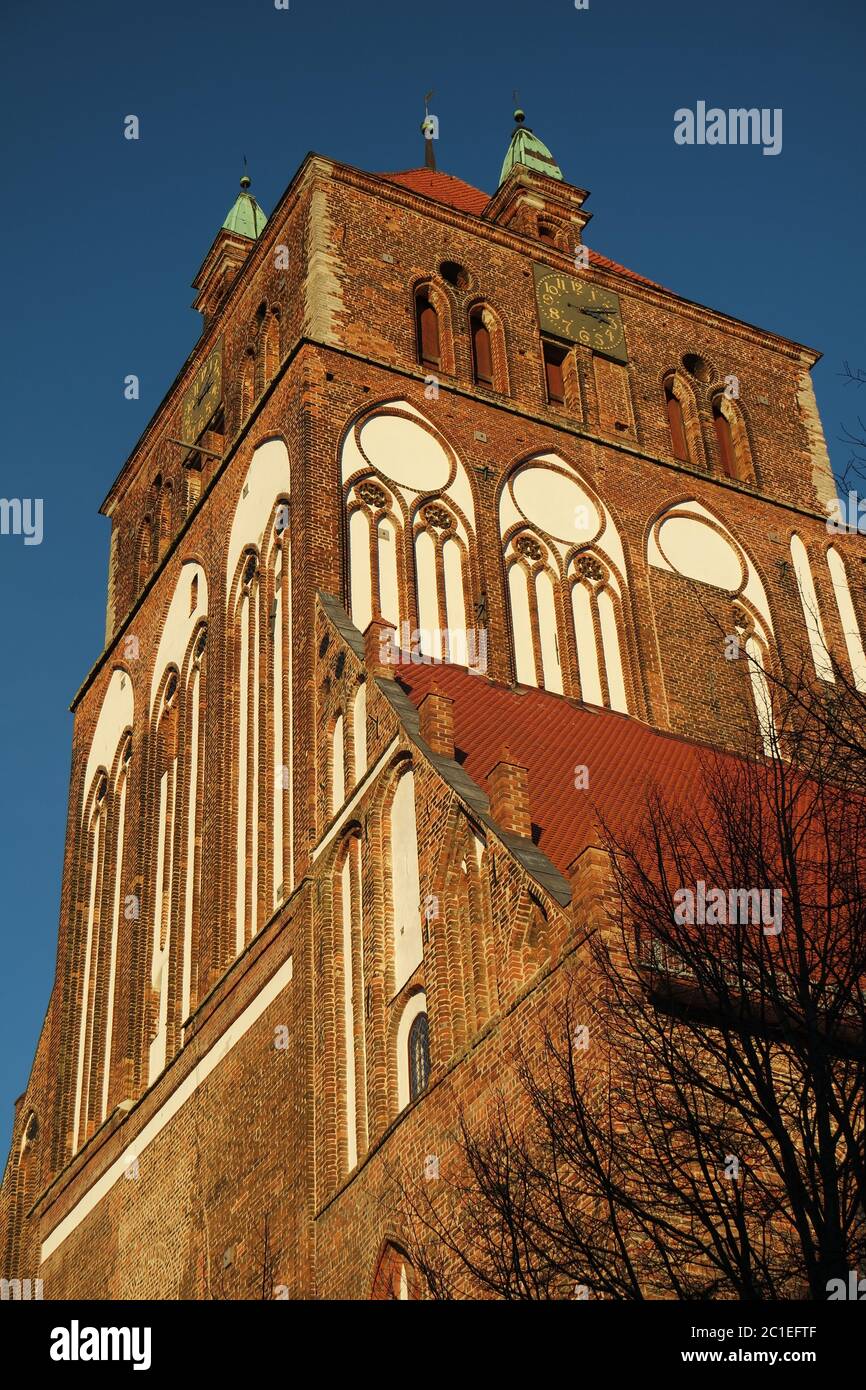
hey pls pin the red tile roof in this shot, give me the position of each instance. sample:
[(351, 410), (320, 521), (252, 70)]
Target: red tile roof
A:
[(443, 188), (454, 193), (551, 736)]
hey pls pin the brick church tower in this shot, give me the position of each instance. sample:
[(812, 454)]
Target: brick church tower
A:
[(438, 514)]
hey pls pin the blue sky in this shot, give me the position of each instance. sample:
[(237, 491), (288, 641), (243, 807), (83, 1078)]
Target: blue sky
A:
[(102, 237)]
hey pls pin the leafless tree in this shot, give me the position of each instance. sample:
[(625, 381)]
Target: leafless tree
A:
[(693, 1126)]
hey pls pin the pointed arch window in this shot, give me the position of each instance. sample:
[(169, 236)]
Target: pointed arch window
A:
[(732, 440), (248, 383), (532, 585), (338, 765), (427, 330), (272, 346), (596, 612), (725, 441), (419, 1056), (482, 347), (676, 424), (850, 626), (145, 552), (407, 942), (811, 611), (351, 955), (395, 1280), (413, 1051), (164, 535), (375, 543)]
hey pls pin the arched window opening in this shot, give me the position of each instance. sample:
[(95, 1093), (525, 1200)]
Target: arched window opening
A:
[(811, 612), (725, 442), (482, 350), (351, 953), (757, 659), (595, 609), (547, 233), (413, 1051), (192, 480), (258, 580), (408, 946), (145, 552), (272, 346), (676, 424), (395, 1279), (338, 765), (248, 377), (359, 731), (848, 617), (427, 330), (164, 520), (374, 570), (419, 1056)]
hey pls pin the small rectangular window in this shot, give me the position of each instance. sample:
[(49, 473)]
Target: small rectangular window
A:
[(554, 358)]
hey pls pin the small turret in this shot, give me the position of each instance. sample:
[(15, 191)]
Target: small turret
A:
[(244, 223), (245, 217), (527, 149)]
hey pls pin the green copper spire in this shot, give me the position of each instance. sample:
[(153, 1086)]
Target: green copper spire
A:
[(526, 148), (245, 217)]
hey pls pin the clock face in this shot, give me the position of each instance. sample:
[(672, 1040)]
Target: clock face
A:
[(203, 395), (580, 311)]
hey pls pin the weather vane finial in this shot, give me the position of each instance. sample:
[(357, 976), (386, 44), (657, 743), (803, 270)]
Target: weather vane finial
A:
[(430, 128)]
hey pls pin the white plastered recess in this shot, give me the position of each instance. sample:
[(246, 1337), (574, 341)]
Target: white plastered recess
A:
[(548, 495), (407, 454), (555, 502), (268, 478), (115, 715), (692, 542), (406, 889), (179, 623)]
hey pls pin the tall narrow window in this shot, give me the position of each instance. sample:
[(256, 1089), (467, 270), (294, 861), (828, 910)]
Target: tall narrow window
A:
[(248, 383), (338, 766), (850, 626), (419, 1056), (554, 378), (482, 355), (677, 425), (811, 611), (145, 552), (408, 947), (725, 442), (427, 330)]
